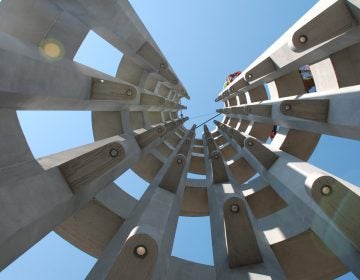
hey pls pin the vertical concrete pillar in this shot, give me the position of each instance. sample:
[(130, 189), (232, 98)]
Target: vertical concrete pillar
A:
[(68, 180), (238, 243), (309, 190), (142, 247)]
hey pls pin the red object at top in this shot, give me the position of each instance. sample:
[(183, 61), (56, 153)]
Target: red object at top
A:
[(232, 76), (272, 135)]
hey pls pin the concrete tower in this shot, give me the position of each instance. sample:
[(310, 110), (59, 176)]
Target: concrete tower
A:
[(293, 221)]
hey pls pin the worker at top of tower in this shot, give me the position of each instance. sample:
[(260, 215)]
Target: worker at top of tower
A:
[(231, 77)]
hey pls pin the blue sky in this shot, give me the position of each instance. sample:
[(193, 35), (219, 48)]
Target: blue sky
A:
[(203, 41)]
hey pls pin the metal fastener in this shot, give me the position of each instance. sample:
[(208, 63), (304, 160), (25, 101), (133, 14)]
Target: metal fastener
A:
[(326, 190), (235, 208), (303, 39), (114, 153), (140, 251)]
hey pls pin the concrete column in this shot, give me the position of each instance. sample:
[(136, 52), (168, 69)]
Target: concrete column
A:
[(68, 180), (324, 37), (238, 243), (310, 191), (142, 247)]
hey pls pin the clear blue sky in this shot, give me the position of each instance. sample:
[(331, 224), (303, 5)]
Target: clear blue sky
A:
[(203, 41)]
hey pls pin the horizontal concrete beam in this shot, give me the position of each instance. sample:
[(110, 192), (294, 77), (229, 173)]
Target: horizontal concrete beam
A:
[(32, 82), (334, 112)]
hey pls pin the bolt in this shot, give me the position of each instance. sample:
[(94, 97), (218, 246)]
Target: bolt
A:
[(140, 251), (102, 81), (162, 65), (249, 76), (287, 107), (114, 153), (326, 190), (128, 92), (235, 208), (216, 156), (160, 130), (251, 143), (179, 161), (303, 39), (248, 109)]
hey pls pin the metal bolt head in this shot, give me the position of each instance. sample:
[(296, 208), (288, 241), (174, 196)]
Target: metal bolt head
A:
[(160, 130), (326, 190), (287, 107), (248, 109), (235, 208), (102, 81), (303, 39), (162, 65), (232, 89), (140, 251), (180, 159), (114, 153), (216, 156), (249, 76), (250, 143), (128, 92)]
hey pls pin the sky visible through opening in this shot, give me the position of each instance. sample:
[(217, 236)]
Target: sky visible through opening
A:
[(203, 41)]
